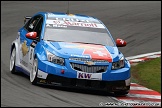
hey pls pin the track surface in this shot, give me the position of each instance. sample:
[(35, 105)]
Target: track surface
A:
[(137, 22)]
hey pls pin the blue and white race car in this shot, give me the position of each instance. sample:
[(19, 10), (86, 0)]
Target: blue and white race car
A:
[(70, 50)]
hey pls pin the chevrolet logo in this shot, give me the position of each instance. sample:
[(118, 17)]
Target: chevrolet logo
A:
[(89, 63)]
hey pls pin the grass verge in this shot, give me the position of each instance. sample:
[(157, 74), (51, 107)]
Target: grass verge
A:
[(148, 74)]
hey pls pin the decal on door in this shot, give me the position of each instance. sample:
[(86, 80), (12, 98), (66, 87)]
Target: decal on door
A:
[(24, 48)]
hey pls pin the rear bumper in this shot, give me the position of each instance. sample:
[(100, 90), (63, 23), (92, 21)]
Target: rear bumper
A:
[(110, 86)]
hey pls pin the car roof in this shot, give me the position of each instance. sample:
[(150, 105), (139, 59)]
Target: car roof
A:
[(64, 15)]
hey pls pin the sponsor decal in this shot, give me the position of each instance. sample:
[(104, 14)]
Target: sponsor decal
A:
[(72, 19), (53, 16), (64, 23), (90, 76), (24, 63), (96, 52), (84, 75), (42, 81), (82, 56), (24, 48)]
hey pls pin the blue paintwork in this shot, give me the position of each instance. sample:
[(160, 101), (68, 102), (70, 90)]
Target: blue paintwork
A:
[(60, 49), (22, 70)]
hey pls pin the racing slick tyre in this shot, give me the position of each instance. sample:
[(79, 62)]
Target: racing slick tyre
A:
[(12, 61), (33, 73)]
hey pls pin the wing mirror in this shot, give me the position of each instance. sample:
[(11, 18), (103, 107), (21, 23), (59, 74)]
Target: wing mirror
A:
[(31, 35), (120, 43)]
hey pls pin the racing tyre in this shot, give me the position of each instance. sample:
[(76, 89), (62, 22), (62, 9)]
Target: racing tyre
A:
[(33, 73), (12, 61)]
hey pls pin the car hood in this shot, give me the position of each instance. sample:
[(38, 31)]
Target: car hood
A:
[(81, 50)]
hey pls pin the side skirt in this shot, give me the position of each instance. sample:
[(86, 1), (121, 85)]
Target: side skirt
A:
[(22, 70)]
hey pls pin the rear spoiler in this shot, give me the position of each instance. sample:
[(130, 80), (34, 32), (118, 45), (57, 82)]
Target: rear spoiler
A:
[(26, 17)]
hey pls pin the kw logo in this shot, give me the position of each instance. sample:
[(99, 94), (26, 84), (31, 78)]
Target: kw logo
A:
[(84, 75), (24, 48)]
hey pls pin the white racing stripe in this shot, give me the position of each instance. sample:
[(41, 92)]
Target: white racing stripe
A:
[(139, 88), (145, 96)]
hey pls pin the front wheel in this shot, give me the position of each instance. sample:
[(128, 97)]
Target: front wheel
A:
[(33, 73)]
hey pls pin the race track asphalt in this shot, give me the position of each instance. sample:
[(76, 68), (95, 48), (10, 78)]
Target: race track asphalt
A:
[(137, 22)]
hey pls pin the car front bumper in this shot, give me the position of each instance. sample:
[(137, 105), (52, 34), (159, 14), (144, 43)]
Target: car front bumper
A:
[(110, 86), (111, 80)]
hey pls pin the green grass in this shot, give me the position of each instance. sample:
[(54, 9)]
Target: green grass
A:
[(148, 74)]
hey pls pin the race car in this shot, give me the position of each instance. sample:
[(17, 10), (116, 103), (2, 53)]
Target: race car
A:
[(70, 50)]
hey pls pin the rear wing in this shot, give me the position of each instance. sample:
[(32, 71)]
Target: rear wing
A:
[(25, 18)]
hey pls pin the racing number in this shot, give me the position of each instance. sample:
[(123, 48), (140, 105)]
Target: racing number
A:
[(31, 53)]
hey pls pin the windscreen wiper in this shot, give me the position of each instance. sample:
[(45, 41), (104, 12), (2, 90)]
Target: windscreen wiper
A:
[(55, 41), (89, 43)]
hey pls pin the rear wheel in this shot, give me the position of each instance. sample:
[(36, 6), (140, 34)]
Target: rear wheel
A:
[(12, 61), (33, 73)]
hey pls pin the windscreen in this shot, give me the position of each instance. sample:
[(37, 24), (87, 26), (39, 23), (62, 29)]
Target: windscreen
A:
[(77, 31)]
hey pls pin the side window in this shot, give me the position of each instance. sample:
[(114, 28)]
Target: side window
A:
[(31, 24), (27, 24), (38, 27)]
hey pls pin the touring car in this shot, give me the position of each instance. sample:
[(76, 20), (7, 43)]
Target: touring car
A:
[(70, 50)]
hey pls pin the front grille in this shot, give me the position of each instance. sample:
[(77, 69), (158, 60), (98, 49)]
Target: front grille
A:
[(89, 69)]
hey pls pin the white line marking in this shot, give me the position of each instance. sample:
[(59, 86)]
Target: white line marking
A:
[(153, 56), (142, 55), (136, 60), (133, 83), (139, 88), (144, 96)]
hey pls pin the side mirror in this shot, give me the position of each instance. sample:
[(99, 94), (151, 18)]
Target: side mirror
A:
[(31, 35), (120, 43)]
